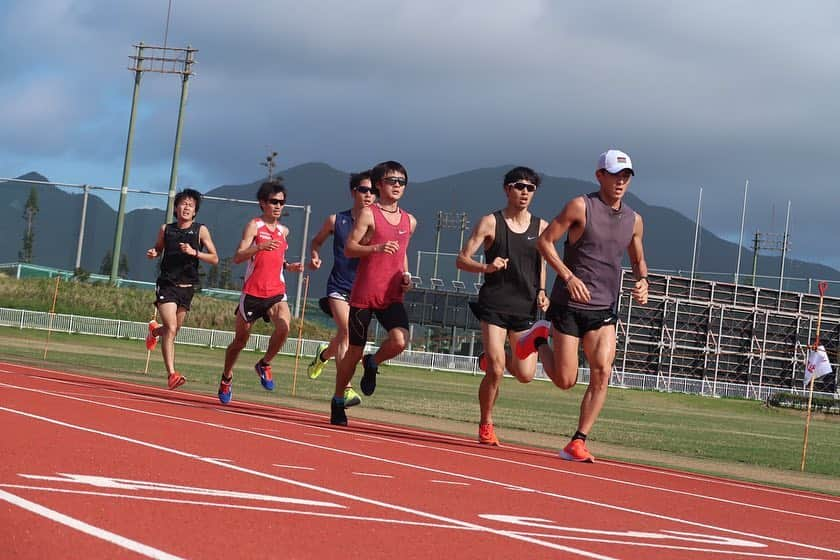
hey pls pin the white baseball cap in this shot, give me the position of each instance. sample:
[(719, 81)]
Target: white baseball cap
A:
[(615, 161)]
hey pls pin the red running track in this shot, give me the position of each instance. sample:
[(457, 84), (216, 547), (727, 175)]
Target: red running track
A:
[(95, 468)]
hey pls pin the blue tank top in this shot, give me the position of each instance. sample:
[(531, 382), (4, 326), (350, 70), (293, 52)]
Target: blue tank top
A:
[(344, 269)]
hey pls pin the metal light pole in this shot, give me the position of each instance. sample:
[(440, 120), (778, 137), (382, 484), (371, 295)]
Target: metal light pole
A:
[(171, 61), (447, 220), (270, 163)]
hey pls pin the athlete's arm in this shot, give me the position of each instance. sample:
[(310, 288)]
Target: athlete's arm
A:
[(247, 248), (154, 252), (482, 234), (542, 296), (209, 255), (572, 220), (315, 247), (636, 253), (353, 248)]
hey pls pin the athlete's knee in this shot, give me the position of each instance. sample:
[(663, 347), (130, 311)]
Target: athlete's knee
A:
[(599, 378), (564, 379), (399, 338), (168, 331)]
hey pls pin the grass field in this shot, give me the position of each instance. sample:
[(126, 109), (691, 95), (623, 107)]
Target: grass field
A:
[(739, 438)]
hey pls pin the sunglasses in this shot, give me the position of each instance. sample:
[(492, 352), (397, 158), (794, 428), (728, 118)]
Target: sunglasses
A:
[(365, 190), (395, 181), (523, 186), (276, 201)]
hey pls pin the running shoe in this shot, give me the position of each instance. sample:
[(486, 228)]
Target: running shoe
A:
[(225, 391), (487, 435), (176, 380), (337, 415), (368, 383), (482, 361), (151, 339), (351, 397), (525, 346), (316, 366), (576, 451), (264, 371)]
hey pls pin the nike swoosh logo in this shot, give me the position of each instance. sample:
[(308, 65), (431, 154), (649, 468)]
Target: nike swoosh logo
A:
[(401, 232), (531, 238)]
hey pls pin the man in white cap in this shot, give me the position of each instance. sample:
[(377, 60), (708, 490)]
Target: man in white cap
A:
[(600, 229)]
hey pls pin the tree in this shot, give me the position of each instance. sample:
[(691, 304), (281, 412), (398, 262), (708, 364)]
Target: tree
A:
[(30, 210), (122, 269)]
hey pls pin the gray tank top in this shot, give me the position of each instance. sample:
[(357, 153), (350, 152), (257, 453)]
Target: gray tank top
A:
[(596, 257)]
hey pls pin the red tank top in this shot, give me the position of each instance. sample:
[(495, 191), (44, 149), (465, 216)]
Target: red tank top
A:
[(379, 277), (264, 276)]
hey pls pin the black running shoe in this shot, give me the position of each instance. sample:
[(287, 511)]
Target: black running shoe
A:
[(368, 383), (337, 415)]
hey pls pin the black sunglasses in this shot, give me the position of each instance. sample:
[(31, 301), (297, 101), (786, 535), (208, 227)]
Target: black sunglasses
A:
[(522, 186), (365, 190), (276, 201), (395, 181)]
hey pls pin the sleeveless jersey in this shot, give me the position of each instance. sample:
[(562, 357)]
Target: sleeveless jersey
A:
[(177, 267), (264, 275), (344, 268), (513, 290), (379, 276), (596, 257)]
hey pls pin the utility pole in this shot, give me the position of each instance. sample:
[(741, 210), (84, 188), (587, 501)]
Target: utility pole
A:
[(159, 60), (448, 220), (770, 241)]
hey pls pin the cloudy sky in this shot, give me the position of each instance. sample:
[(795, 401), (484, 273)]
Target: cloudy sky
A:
[(700, 94)]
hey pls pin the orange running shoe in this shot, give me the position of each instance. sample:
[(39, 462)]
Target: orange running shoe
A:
[(576, 451), (176, 380), (151, 339), (525, 345), (487, 435)]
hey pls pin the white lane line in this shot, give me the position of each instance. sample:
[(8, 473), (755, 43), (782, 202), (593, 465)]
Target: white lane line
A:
[(419, 513), (373, 475), (451, 482), (73, 523), (294, 467)]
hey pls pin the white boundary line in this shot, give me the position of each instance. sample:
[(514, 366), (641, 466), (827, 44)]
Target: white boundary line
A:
[(387, 461), (83, 527)]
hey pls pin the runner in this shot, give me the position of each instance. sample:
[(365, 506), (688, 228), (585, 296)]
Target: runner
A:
[(182, 243), (264, 243), (336, 304), (600, 229), (379, 239), (513, 289)]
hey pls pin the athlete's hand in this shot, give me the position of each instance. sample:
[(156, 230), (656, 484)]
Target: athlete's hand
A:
[(498, 264), (269, 245), (578, 290), (406, 281), (151, 253), (186, 248), (640, 291), (295, 266), (389, 247), (542, 300), (315, 261)]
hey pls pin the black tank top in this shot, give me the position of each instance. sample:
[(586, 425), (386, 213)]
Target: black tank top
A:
[(177, 267), (513, 290)]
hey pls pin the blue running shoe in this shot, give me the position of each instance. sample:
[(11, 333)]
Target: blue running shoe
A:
[(264, 371), (368, 383), (225, 391), (337, 415)]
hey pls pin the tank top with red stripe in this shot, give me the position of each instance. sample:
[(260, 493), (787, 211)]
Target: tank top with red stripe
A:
[(264, 275), (379, 277)]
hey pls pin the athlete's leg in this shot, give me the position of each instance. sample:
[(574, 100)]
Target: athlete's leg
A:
[(493, 339), (280, 317), (167, 331), (358, 321), (522, 370), (560, 360), (240, 339), (599, 348), (338, 344)]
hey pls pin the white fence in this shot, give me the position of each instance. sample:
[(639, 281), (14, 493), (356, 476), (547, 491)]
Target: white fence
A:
[(115, 328)]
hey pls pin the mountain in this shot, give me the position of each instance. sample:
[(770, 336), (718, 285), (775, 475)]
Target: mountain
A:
[(669, 236)]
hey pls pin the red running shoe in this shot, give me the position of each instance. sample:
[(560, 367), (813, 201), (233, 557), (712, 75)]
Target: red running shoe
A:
[(176, 380), (487, 435), (525, 346), (576, 451), (151, 339)]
